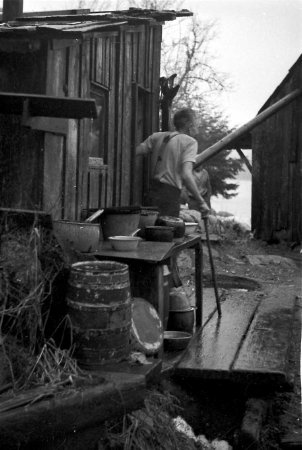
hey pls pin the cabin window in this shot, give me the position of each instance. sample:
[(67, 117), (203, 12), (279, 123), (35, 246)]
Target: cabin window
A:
[(100, 71), (98, 132), (101, 61)]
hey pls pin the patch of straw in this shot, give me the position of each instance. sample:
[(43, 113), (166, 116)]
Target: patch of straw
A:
[(30, 262), (149, 428)]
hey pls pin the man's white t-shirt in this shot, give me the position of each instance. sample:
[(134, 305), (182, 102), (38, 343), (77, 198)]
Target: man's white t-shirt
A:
[(166, 165)]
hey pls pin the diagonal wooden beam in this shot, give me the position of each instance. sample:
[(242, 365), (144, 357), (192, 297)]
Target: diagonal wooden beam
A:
[(230, 138), (244, 158)]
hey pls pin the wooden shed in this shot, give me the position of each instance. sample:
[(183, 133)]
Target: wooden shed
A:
[(277, 166), (55, 155)]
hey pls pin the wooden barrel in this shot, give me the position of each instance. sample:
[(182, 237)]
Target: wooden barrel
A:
[(99, 306)]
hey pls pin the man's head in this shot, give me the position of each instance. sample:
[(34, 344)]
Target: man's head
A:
[(184, 120)]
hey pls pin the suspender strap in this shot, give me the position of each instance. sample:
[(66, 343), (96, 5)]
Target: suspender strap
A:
[(160, 152)]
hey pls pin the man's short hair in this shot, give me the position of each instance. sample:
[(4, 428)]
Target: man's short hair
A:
[(182, 117)]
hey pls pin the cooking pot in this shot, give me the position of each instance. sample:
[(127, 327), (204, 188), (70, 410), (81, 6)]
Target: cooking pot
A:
[(175, 222), (182, 320), (148, 217), (120, 221), (157, 233)]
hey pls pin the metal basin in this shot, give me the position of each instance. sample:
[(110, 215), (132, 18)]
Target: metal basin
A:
[(176, 340)]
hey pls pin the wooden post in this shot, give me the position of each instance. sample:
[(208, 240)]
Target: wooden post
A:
[(198, 283), (12, 9), (232, 137), (244, 158), (168, 92)]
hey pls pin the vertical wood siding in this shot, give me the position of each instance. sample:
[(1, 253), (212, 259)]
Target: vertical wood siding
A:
[(277, 168), (84, 126), (21, 149), (124, 67), (54, 198)]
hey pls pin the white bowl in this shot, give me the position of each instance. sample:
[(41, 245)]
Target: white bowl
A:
[(124, 243), (190, 227)]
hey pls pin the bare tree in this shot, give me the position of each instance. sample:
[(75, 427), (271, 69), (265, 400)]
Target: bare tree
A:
[(186, 51), (102, 5), (155, 4)]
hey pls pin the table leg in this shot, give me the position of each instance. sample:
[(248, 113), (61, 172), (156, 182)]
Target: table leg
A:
[(198, 283), (159, 285), (159, 288)]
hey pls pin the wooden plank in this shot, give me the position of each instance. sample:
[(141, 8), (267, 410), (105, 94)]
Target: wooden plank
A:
[(49, 124), (119, 119), (151, 370), (151, 252), (64, 12), (127, 120), (25, 217), (76, 409), (244, 159), (84, 128), (112, 124), (43, 105), (266, 345), (54, 145), (213, 348), (71, 162), (141, 57), (157, 39), (53, 192)]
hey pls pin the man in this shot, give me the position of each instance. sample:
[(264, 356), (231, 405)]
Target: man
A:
[(172, 158)]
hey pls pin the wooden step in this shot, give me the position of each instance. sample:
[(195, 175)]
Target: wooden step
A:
[(264, 351), (212, 351)]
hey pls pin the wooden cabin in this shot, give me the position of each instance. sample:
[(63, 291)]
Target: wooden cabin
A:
[(277, 166), (54, 156)]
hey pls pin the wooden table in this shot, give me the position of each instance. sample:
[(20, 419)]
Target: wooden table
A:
[(146, 266)]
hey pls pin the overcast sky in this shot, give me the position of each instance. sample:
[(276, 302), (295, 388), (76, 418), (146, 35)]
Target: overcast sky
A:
[(258, 41)]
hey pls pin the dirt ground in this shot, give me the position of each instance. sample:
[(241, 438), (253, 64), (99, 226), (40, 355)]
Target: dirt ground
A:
[(237, 255)]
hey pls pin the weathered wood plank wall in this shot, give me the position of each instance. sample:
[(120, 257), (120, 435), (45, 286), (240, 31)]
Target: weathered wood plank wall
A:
[(21, 149), (277, 167), (121, 69)]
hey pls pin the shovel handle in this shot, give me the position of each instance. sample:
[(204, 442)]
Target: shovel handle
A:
[(205, 219)]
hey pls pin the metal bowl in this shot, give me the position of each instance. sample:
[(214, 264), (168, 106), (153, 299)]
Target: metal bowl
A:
[(176, 340), (80, 236), (190, 227), (175, 222), (124, 243), (159, 233)]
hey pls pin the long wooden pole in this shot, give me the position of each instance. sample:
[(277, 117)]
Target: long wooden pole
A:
[(224, 142)]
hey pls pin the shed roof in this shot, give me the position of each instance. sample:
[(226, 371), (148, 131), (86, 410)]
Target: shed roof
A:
[(76, 25)]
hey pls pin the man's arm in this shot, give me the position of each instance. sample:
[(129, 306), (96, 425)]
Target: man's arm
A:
[(141, 149), (190, 184)]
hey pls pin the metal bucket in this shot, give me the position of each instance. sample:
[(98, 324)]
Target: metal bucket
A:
[(183, 320), (99, 306)]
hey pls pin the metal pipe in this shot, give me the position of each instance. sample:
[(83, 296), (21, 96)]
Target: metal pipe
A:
[(227, 140)]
